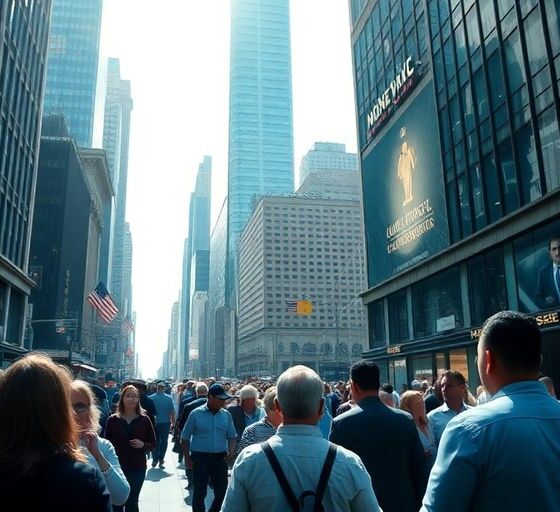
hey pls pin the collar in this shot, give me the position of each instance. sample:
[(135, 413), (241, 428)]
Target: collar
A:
[(369, 399), (524, 386), (299, 430), (446, 408)]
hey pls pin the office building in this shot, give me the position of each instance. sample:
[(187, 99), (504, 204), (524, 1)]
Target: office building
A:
[(24, 32), (293, 249), (261, 155), (457, 108), (327, 156)]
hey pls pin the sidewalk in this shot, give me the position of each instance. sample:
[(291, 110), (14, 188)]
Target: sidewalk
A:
[(165, 490)]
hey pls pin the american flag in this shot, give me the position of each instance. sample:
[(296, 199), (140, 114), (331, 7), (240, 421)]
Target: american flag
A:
[(103, 303), (291, 306), (128, 326)]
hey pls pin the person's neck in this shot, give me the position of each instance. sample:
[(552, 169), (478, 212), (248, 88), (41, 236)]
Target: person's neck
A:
[(361, 395), (272, 421), (130, 414), (311, 421), (455, 406), (506, 380)]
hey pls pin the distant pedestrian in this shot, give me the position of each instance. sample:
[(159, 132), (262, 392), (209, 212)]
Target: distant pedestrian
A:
[(297, 467), (248, 411), (41, 464), (165, 419), (132, 434), (505, 454)]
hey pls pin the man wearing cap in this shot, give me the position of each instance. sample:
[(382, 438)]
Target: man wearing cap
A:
[(209, 440)]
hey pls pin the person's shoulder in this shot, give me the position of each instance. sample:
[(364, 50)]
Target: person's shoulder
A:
[(435, 411), (347, 457)]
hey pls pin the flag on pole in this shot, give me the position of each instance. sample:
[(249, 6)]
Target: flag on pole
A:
[(291, 306), (129, 352), (300, 307), (128, 326), (103, 303)]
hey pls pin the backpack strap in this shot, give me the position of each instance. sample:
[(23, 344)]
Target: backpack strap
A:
[(286, 489), (324, 478)]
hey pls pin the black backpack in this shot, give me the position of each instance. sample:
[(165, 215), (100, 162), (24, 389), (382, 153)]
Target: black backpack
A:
[(297, 504)]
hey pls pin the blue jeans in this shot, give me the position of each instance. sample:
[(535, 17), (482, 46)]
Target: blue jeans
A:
[(135, 478), (162, 434)]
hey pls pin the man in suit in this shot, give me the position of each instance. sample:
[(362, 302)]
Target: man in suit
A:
[(548, 280), (386, 440)]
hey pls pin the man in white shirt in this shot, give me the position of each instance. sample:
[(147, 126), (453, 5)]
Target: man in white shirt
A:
[(301, 453)]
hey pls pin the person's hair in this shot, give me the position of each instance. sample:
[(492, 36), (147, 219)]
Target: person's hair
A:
[(469, 398), (405, 404), (387, 388), (479, 390), (456, 376), (327, 387), (553, 238), (365, 374), (248, 391), (37, 416), (201, 389), (81, 386), (515, 340), (120, 406), (299, 392), (268, 400)]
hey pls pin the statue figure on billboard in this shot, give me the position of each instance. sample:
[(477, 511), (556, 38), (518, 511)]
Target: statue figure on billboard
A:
[(405, 167)]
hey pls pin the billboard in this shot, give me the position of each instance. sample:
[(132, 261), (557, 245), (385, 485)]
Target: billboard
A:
[(404, 197)]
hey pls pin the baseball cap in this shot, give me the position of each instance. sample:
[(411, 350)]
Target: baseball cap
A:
[(219, 392)]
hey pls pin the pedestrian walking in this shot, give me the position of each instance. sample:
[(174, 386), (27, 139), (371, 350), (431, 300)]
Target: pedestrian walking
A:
[(165, 419)]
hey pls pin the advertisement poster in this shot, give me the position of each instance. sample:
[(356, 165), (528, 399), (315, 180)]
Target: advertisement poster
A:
[(404, 201)]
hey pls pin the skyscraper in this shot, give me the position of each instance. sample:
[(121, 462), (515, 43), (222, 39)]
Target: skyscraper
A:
[(24, 29), (261, 155), (327, 156), (72, 65)]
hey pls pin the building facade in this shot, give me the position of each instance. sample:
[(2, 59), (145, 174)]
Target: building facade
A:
[(327, 156), (457, 107), (24, 32), (261, 158), (72, 65), (301, 249)]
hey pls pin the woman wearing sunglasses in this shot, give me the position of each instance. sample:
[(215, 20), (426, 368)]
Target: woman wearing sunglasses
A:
[(132, 434), (99, 451)]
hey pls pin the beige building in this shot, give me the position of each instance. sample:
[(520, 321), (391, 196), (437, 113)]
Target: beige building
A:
[(301, 248)]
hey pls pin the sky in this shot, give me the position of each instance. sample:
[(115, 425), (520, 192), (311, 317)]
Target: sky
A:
[(176, 55)]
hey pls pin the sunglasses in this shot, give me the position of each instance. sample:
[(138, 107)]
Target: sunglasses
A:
[(80, 407)]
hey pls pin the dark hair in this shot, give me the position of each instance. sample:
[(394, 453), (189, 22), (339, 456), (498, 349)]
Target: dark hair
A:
[(457, 377), (515, 340), (387, 388), (365, 374), (552, 239)]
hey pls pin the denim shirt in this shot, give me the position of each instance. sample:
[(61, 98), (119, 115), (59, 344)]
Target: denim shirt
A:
[(503, 455), (440, 417), (208, 432)]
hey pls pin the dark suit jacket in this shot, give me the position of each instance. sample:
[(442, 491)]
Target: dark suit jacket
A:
[(387, 442), (238, 419), (191, 406), (57, 483), (546, 287)]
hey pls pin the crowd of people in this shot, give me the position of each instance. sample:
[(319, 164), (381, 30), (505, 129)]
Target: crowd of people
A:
[(295, 443)]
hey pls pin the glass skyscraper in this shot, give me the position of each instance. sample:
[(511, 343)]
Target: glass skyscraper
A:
[(261, 155), (72, 65)]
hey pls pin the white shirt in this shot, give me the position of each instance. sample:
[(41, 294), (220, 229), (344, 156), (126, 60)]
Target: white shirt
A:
[(301, 451)]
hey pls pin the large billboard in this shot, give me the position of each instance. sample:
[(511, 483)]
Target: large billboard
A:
[(404, 201)]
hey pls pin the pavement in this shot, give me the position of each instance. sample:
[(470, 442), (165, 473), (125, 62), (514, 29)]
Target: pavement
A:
[(165, 489)]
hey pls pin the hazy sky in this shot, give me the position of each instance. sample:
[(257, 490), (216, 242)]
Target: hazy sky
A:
[(176, 55)]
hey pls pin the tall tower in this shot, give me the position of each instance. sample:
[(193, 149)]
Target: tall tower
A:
[(72, 65), (261, 154)]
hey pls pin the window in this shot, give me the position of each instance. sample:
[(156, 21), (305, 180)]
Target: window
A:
[(528, 165), (398, 317), (550, 148), (376, 319)]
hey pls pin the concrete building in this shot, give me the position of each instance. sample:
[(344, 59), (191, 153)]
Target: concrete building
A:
[(325, 157), (72, 64), (170, 359), (261, 154), (297, 248), (457, 111)]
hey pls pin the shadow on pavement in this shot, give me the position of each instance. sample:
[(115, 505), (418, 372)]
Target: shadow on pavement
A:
[(157, 474)]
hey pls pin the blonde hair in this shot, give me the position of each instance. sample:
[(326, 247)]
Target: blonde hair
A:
[(81, 386), (406, 399), (268, 400), (37, 416)]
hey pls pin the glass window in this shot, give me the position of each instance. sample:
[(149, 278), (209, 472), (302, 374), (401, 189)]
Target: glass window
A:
[(487, 17), (458, 361), (477, 197), (496, 80), (553, 20), (550, 148), (441, 364), (533, 269), (528, 165), (514, 61), (14, 316), (452, 211), (504, 6), (422, 368), (460, 45), (397, 374), (536, 49), (464, 204), (480, 96), (398, 317), (472, 31), (507, 174), (487, 286), (376, 317), (490, 178), (435, 298)]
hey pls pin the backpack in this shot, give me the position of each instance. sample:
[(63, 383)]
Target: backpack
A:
[(297, 504)]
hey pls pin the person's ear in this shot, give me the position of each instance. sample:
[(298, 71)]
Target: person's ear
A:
[(490, 362), (277, 405)]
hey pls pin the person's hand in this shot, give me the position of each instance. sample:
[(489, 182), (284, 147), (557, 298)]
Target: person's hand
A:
[(188, 462), (136, 443), (230, 458), (89, 438)]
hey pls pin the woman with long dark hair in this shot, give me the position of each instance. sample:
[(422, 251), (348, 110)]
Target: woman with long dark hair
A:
[(41, 464), (132, 434)]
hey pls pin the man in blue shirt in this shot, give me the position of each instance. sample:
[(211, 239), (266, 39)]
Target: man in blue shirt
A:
[(165, 418), (504, 454), (209, 440)]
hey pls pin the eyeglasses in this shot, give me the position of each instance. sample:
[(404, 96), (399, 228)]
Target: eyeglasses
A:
[(80, 407)]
